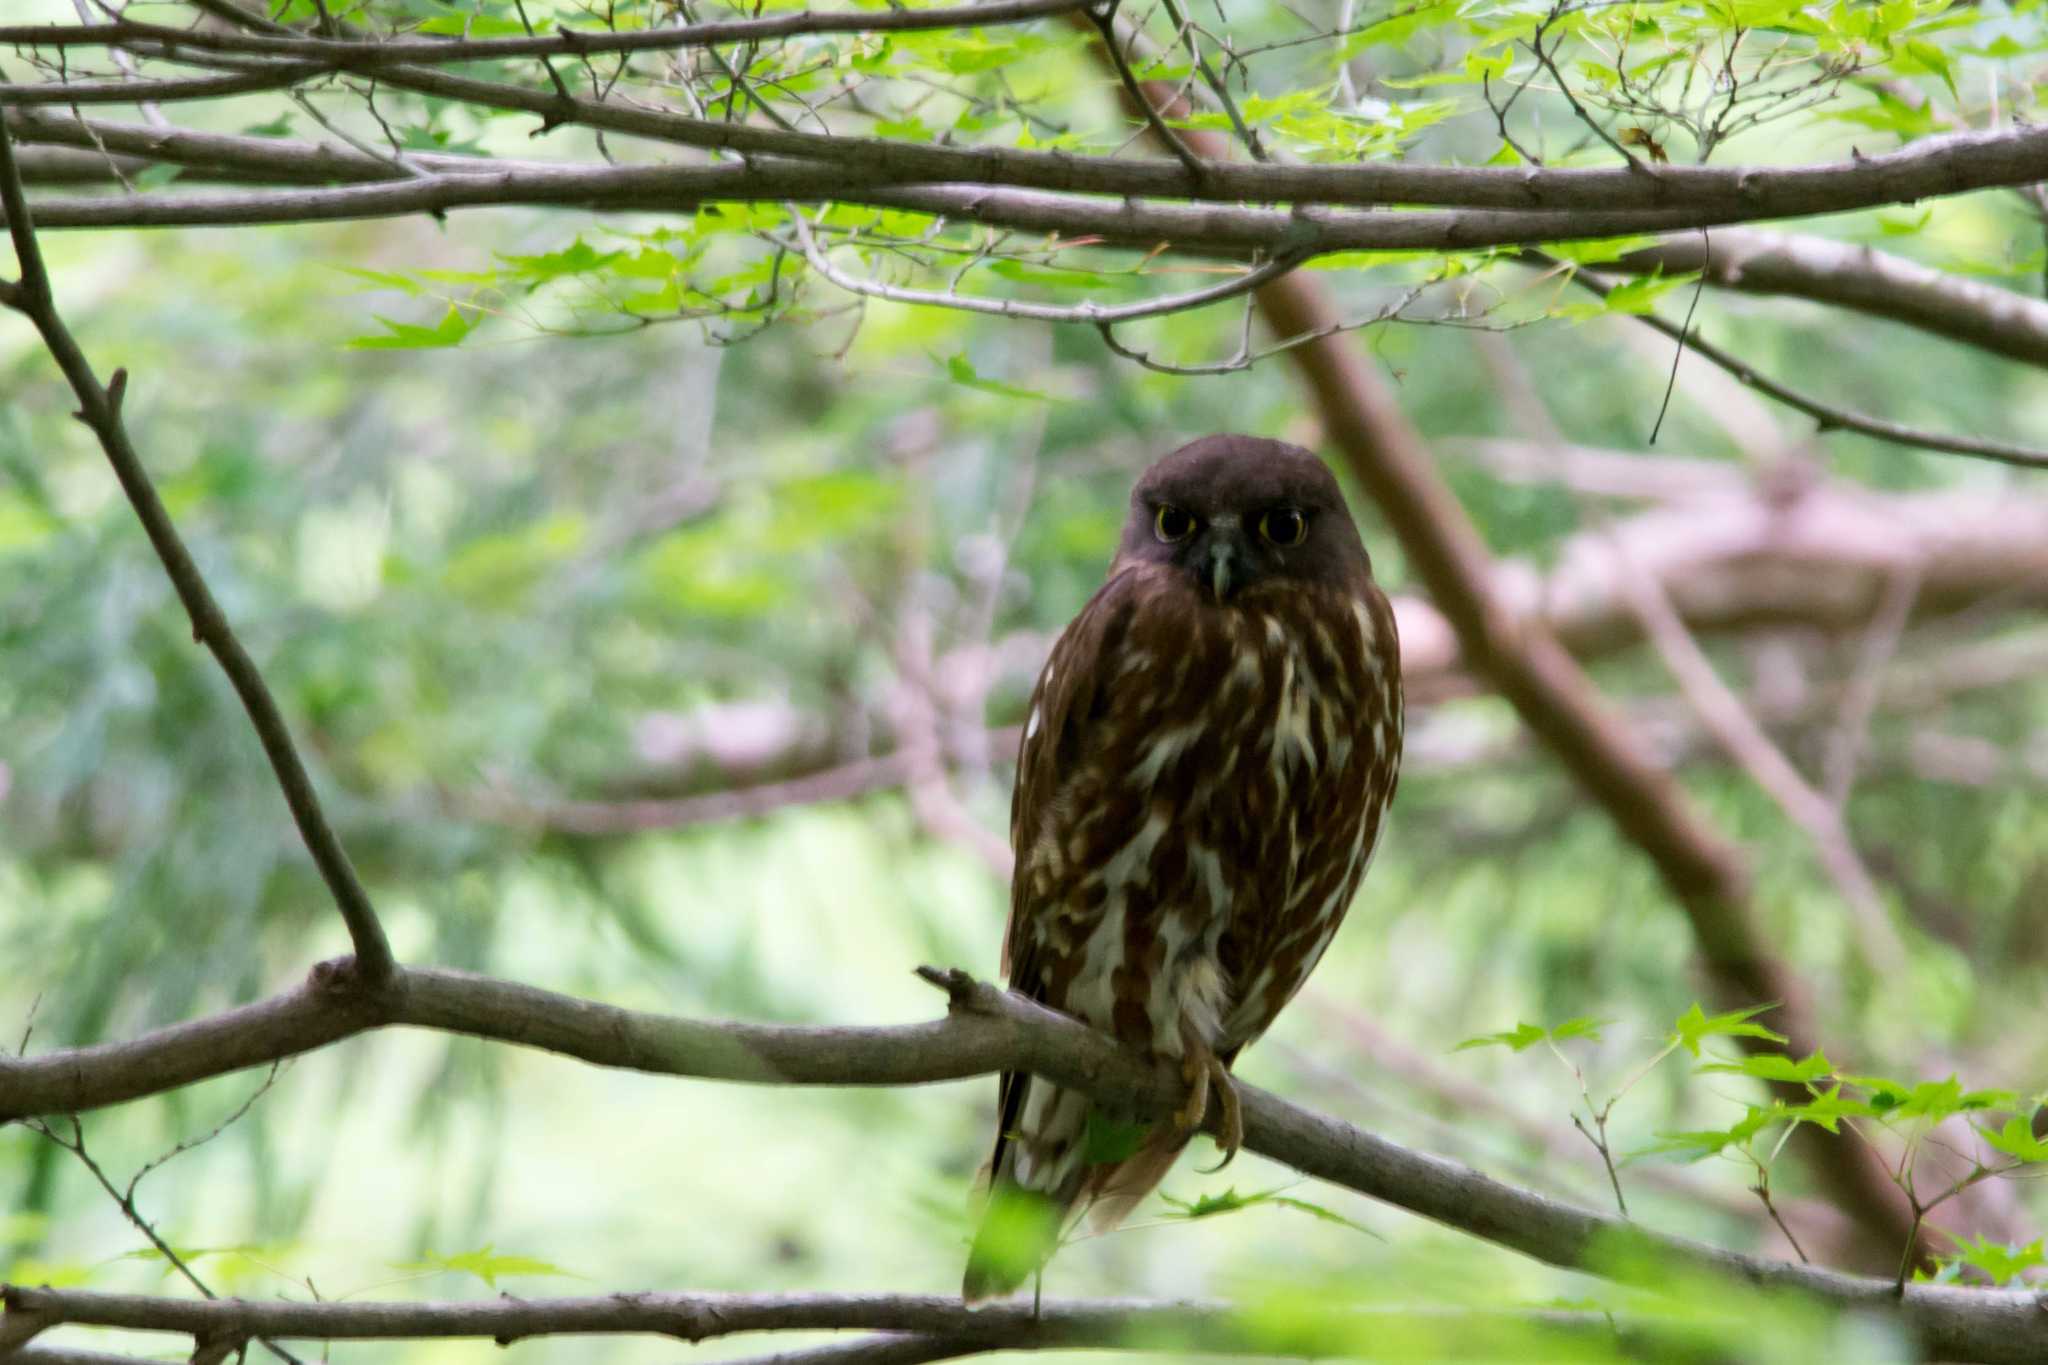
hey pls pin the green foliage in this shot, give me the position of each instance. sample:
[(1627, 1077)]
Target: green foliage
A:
[(1230, 1201), (2001, 1263), (486, 1263), (1524, 1036), (1694, 1027), (1106, 1139)]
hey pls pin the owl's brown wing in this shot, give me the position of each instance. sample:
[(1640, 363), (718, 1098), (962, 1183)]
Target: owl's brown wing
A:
[(1066, 704)]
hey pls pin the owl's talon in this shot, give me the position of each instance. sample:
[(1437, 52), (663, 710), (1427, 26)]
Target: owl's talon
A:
[(1230, 1128), (1195, 1070)]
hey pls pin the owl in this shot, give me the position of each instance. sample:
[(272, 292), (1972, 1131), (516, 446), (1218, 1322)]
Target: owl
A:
[(1207, 762)]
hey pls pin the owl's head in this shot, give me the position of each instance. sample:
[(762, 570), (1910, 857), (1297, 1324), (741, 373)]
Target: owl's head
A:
[(1237, 511)]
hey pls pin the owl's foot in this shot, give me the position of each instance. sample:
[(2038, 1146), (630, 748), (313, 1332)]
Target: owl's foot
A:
[(1204, 1070)]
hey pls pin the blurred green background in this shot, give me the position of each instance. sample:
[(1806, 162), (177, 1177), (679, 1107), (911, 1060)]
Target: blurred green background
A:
[(506, 589)]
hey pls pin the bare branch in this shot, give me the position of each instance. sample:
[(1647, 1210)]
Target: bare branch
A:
[(1692, 195), (159, 91), (370, 53), (1173, 1325), (838, 783), (1084, 312), (666, 189), (100, 409), (1830, 416), (1847, 275)]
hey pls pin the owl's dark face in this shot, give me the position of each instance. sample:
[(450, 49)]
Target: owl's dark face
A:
[(1233, 512)]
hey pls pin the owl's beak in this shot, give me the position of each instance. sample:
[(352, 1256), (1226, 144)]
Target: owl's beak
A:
[(1226, 568)]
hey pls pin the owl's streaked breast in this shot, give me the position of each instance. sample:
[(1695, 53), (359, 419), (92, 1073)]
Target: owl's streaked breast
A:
[(1201, 851)]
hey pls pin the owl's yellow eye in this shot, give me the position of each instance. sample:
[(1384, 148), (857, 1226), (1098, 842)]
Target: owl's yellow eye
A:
[(1283, 526), (1172, 523)]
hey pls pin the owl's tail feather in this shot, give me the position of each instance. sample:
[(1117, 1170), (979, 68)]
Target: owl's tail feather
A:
[(1051, 1161), (1120, 1188), (1035, 1181), (1019, 1231)]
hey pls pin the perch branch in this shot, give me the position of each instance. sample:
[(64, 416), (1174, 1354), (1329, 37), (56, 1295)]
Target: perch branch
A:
[(985, 1030)]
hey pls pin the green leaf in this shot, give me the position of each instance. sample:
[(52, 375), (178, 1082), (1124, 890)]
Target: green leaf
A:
[(1696, 1144), (451, 330), (1774, 1066), (1640, 295), (1106, 1141), (1931, 1100), (1522, 1037), (479, 26), (1828, 1109), (155, 177), (1230, 1201), (497, 570), (23, 526), (487, 1265), (383, 279), (1695, 1027), (2016, 1139), (578, 258), (960, 370), (2003, 1262), (1927, 56)]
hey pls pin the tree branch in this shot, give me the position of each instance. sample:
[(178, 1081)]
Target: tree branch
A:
[(362, 54), (1830, 416), (985, 1030), (100, 410), (1184, 1325), (1688, 195), (1873, 282)]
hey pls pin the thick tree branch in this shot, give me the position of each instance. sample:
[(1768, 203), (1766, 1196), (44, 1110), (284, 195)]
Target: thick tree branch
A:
[(1846, 275), (1815, 268), (986, 1030), (1152, 1325), (1690, 195), (100, 410), (365, 54)]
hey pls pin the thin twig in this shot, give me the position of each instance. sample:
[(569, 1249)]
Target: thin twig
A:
[(100, 409), (1699, 286), (125, 1201), (1830, 416)]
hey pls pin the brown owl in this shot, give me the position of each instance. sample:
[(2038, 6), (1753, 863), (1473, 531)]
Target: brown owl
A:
[(1208, 758)]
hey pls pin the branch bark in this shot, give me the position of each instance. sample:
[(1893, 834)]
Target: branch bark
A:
[(362, 54), (1206, 1326), (1843, 275), (1681, 195), (985, 1030)]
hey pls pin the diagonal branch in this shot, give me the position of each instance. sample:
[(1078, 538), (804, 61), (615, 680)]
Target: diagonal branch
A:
[(1830, 416), (100, 409)]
